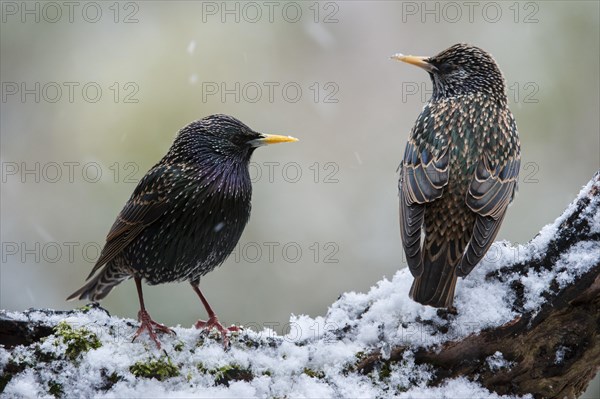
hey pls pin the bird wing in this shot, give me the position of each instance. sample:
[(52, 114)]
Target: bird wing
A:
[(491, 190), (147, 203), (423, 175)]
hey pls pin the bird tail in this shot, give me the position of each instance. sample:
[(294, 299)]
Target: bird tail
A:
[(435, 286), (99, 287)]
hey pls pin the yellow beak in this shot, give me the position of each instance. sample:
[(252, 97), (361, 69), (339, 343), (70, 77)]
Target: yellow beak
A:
[(421, 62), (272, 139)]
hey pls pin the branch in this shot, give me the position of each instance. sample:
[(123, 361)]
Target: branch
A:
[(527, 322), (554, 351)]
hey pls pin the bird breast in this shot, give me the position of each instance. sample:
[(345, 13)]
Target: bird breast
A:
[(198, 233)]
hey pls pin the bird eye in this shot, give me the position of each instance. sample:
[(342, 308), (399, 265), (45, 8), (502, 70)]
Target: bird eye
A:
[(446, 68)]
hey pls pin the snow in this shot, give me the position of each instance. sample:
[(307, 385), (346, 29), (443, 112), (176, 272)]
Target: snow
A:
[(315, 359), (26, 386), (4, 356), (321, 35), (456, 388), (310, 364), (191, 47), (570, 265), (560, 355), (497, 362), (595, 226)]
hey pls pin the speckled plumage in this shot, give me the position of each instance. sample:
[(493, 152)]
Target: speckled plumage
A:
[(186, 214), (459, 171)]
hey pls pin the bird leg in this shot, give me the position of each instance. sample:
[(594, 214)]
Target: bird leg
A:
[(144, 317), (213, 321)]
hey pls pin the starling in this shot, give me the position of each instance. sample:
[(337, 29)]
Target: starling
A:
[(185, 216), (459, 171)]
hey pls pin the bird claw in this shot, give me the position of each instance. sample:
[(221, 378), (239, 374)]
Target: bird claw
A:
[(150, 325), (213, 322)]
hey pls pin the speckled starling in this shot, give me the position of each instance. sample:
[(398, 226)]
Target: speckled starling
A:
[(459, 171), (185, 216)]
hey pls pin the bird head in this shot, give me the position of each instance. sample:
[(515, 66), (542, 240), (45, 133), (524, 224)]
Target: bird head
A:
[(220, 136), (459, 70)]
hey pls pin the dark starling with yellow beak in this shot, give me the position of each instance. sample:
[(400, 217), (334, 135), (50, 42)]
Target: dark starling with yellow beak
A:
[(459, 171), (185, 216)]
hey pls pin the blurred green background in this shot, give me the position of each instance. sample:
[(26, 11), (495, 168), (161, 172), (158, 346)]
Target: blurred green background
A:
[(326, 206)]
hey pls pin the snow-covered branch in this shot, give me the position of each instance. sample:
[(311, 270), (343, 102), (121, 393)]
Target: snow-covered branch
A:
[(527, 323)]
